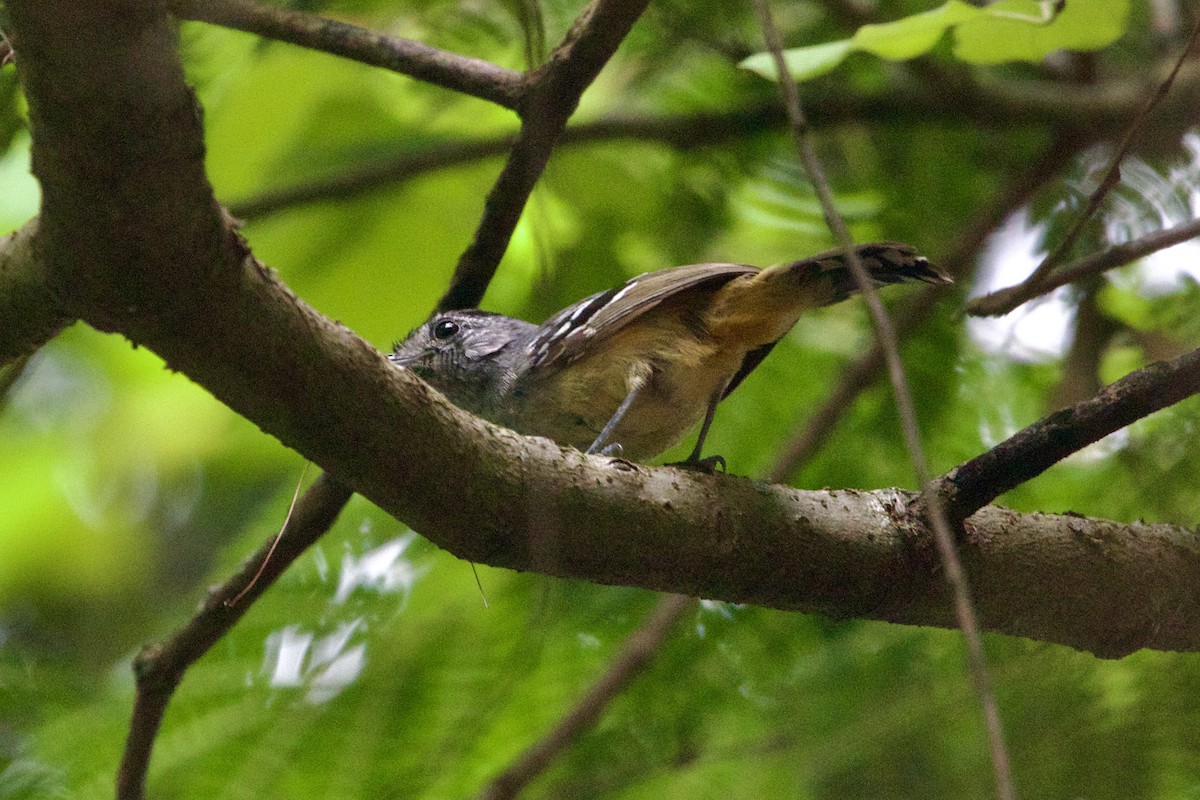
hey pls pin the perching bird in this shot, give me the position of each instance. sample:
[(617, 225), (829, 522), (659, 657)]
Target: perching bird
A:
[(638, 365)]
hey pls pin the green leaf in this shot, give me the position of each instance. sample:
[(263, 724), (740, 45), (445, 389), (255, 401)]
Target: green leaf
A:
[(1005, 33), (802, 62), (1009, 30), (916, 35)]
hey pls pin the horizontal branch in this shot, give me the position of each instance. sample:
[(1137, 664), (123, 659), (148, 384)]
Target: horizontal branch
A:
[(897, 105), (1102, 107), (471, 76), (1108, 181), (684, 131), (552, 94)]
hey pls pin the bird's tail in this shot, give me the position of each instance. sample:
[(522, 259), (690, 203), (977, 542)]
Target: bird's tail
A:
[(885, 262), (758, 308)]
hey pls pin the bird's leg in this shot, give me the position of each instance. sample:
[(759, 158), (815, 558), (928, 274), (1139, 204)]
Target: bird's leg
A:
[(601, 444), (694, 461)]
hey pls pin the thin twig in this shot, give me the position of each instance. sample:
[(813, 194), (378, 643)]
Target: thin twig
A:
[(360, 180), (1005, 300), (160, 667), (471, 76), (895, 106), (237, 598), (552, 94), (1116, 256), (955, 576), (684, 131), (636, 654), (854, 380)]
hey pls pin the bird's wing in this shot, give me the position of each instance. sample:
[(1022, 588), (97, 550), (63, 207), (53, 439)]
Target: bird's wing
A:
[(564, 337)]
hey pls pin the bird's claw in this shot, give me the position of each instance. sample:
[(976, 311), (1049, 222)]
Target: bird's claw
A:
[(707, 465)]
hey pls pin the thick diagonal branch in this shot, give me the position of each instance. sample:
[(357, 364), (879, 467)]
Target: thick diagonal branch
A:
[(551, 98), (160, 667)]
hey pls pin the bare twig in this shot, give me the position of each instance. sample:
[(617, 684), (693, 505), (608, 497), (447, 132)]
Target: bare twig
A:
[(854, 380), (1033, 450), (635, 656), (463, 74), (684, 132), (360, 180), (1005, 300), (956, 577), (1116, 256), (160, 667), (896, 105), (552, 95)]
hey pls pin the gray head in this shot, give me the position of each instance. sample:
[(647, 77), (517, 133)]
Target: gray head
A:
[(470, 356)]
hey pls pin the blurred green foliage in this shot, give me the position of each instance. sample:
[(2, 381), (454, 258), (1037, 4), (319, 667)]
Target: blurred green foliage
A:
[(374, 668)]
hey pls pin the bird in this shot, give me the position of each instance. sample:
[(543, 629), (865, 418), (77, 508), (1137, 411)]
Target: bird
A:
[(629, 371)]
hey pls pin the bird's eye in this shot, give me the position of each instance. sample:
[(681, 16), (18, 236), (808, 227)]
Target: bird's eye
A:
[(444, 329)]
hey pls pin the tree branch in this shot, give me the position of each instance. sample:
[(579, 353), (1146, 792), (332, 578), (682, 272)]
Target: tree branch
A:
[(683, 131), (896, 106), (32, 315), (624, 668), (635, 656), (956, 577), (552, 96), (134, 242), (492, 496), (1005, 300), (1095, 109), (958, 262), (471, 76), (1032, 451), (160, 667)]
